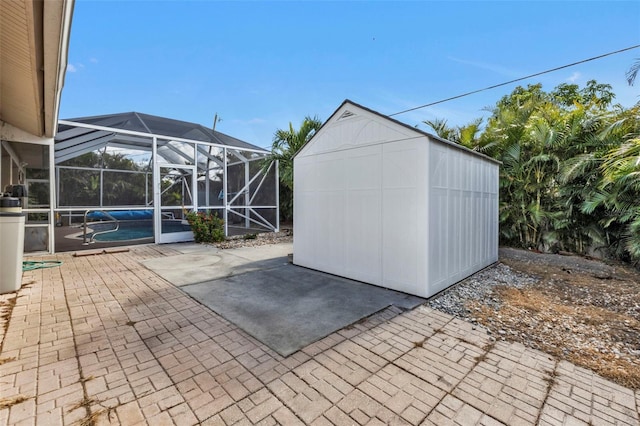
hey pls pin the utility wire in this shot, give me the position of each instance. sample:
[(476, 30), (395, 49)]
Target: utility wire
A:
[(516, 80)]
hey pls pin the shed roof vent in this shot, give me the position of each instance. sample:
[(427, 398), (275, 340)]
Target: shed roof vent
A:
[(346, 114)]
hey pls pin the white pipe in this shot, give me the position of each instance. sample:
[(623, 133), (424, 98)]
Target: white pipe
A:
[(157, 218), (277, 197), (52, 198), (224, 194)]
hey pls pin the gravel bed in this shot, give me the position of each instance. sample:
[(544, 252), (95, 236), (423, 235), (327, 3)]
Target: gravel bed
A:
[(479, 287), (255, 240)]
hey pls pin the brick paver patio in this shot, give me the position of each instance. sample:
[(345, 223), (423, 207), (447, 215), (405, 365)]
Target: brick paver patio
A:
[(103, 340)]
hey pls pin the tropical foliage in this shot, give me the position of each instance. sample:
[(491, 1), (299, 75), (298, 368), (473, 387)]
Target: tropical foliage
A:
[(123, 181), (632, 73), (286, 143), (570, 173), (207, 227)]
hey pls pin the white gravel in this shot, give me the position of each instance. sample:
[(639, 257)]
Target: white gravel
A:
[(478, 287)]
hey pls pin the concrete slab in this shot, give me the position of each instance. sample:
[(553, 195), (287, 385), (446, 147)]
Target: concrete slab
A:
[(287, 307), (200, 262), (187, 248)]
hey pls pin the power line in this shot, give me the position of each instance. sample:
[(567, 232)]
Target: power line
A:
[(516, 80)]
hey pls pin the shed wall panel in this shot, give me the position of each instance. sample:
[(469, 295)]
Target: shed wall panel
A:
[(361, 213), (463, 215), (344, 184), (404, 213), (364, 201)]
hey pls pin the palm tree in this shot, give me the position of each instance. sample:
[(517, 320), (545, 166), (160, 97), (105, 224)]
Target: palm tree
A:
[(286, 143), (619, 187), (467, 135), (570, 174), (443, 130), (633, 72)]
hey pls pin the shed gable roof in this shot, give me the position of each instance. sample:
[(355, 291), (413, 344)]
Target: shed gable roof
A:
[(352, 125), (349, 110)]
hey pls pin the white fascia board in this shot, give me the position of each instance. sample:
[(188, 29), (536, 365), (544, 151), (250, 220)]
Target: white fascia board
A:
[(57, 16), (11, 133)]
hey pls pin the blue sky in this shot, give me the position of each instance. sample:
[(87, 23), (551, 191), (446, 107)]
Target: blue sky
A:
[(263, 64)]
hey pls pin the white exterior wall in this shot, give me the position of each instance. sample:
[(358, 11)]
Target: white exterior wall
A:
[(362, 206)]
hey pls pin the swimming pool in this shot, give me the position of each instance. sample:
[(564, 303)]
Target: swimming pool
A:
[(134, 229)]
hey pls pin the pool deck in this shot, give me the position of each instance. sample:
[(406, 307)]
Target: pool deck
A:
[(67, 239), (104, 340)]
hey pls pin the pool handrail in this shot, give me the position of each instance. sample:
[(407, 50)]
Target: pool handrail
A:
[(93, 235)]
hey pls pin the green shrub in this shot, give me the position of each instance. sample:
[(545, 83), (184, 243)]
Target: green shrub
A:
[(207, 227)]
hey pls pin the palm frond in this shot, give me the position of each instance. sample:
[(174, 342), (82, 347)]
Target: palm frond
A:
[(632, 73), (597, 199)]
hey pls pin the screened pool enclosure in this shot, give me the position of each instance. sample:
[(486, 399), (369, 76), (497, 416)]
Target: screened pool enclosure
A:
[(133, 177)]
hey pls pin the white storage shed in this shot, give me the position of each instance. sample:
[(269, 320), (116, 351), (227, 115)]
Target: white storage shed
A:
[(378, 201)]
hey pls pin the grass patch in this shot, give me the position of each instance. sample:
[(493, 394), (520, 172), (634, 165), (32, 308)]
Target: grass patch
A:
[(6, 360), (7, 308), (419, 343), (485, 351), (11, 401), (92, 417)]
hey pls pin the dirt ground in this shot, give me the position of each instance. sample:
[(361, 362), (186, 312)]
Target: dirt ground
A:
[(581, 310)]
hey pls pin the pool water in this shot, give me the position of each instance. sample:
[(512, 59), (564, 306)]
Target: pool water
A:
[(134, 230)]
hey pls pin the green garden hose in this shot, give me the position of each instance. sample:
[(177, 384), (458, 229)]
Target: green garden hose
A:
[(30, 265)]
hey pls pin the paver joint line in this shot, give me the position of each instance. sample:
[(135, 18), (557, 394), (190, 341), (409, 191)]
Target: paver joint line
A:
[(486, 349), (86, 401)]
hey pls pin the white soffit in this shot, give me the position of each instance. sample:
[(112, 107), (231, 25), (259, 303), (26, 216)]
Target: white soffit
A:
[(34, 39)]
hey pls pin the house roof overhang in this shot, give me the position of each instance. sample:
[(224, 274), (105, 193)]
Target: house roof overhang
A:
[(34, 42)]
